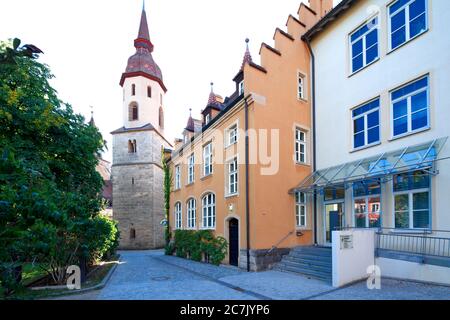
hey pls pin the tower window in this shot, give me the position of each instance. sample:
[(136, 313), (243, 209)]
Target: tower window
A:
[(161, 118), (132, 147), (149, 91), (133, 112), (132, 233), (160, 98), (133, 89)]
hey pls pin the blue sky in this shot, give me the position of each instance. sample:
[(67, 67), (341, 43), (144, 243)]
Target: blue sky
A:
[(87, 44)]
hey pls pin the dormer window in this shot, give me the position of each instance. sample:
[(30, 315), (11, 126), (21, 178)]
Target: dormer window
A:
[(241, 87), (207, 118)]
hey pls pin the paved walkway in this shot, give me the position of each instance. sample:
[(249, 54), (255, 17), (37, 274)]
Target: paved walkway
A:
[(150, 275)]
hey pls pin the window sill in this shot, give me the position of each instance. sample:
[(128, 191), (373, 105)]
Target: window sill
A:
[(212, 228), (302, 228), (407, 134), (303, 164), (231, 195), (363, 68), (304, 100), (190, 184), (206, 177), (175, 190), (365, 147), (231, 144), (406, 42)]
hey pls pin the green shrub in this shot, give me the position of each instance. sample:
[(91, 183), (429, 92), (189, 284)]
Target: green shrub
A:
[(196, 244)]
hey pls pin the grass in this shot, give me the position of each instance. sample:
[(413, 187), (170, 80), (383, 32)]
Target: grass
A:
[(32, 273)]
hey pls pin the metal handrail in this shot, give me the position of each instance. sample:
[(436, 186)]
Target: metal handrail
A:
[(279, 242)]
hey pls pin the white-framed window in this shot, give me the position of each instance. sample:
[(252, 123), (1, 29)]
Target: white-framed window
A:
[(191, 168), (410, 108), (232, 135), (367, 204), (412, 205), (232, 179), (209, 211), (207, 160), (300, 209), (241, 87), (364, 45), (191, 214), (177, 177), (300, 85), (407, 20), (366, 124), (300, 145), (207, 118), (178, 216)]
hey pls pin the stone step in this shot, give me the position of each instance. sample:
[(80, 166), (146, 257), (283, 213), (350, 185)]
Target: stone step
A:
[(310, 257), (307, 272), (310, 264), (316, 252)]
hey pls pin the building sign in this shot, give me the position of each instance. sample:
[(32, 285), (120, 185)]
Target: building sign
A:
[(346, 242)]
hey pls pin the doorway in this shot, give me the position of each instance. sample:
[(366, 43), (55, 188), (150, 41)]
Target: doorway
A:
[(233, 227), (334, 219)]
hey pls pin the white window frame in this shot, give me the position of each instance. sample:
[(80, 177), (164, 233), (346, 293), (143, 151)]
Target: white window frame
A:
[(409, 113), (301, 78), (191, 169), (207, 160), (366, 124), (411, 210), (301, 210), (178, 215), (177, 177), (232, 135), (191, 209), (232, 172), (241, 87), (209, 211), (298, 144), (364, 50), (407, 22), (207, 118)]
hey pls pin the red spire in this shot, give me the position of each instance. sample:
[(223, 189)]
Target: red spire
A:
[(143, 39), (190, 124), (212, 100), (247, 56)]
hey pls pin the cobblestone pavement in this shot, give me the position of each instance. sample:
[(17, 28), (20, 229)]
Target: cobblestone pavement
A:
[(148, 275)]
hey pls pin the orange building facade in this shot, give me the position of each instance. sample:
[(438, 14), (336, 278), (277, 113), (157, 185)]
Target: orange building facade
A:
[(237, 184)]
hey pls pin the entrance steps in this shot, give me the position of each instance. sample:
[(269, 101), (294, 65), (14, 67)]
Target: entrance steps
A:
[(312, 262)]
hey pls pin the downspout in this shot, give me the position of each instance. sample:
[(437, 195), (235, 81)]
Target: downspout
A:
[(247, 186), (313, 94)]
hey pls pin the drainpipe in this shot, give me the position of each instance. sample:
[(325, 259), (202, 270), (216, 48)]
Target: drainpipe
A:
[(247, 186), (313, 94)]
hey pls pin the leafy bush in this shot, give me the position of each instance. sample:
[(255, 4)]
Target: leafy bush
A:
[(196, 244)]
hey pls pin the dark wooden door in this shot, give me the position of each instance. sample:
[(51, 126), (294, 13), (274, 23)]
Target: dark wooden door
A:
[(234, 241)]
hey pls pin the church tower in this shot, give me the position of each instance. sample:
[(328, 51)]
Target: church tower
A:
[(137, 175)]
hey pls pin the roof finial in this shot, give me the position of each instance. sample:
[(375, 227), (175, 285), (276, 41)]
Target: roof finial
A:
[(143, 5), (92, 122), (247, 56), (190, 112), (212, 86)]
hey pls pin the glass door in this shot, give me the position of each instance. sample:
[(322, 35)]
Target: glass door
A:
[(334, 219)]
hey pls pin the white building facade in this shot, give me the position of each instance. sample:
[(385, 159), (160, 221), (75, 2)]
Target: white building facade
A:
[(382, 119)]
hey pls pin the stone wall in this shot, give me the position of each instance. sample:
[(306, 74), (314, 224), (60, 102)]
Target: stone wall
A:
[(261, 260), (138, 199)]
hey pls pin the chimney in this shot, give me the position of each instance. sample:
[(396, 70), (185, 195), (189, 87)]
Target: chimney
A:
[(321, 7)]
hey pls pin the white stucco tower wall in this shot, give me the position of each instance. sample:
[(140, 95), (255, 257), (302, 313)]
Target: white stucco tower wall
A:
[(137, 174)]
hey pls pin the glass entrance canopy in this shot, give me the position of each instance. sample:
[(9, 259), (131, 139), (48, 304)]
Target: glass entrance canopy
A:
[(420, 157)]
